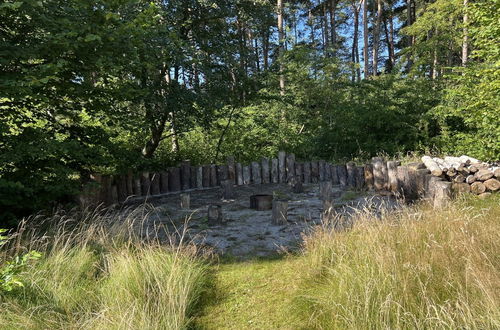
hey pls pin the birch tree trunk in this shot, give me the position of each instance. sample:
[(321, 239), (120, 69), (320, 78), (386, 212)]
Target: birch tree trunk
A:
[(465, 43)]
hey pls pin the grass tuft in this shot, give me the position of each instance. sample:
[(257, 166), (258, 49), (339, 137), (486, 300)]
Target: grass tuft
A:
[(417, 268), (97, 273)]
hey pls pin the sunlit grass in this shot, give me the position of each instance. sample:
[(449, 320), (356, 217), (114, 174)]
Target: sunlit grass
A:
[(417, 268), (96, 273)]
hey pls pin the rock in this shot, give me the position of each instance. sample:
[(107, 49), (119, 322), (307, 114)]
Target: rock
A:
[(492, 184), (477, 188), (483, 175), (496, 173), (460, 188), (470, 179), (416, 165), (484, 195)]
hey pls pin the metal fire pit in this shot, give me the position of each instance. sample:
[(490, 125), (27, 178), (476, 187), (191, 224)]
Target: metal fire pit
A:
[(261, 202)]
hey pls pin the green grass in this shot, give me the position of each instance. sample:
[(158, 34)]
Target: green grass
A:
[(95, 277), (254, 294), (418, 268)]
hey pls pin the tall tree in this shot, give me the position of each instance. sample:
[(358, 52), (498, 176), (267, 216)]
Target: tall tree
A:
[(376, 37), (366, 57), (281, 43)]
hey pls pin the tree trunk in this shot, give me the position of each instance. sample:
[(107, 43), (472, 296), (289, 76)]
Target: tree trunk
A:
[(265, 46), (326, 41), (354, 50), (388, 28), (281, 40), (333, 24), (365, 38), (310, 21), (409, 22), (376, 38), (465, 43)]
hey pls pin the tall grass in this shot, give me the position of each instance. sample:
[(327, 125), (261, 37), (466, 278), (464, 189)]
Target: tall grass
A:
[(419, 268), (97, 272)]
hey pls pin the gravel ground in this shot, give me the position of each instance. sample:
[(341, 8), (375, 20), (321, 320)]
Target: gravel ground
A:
[(246, 232)]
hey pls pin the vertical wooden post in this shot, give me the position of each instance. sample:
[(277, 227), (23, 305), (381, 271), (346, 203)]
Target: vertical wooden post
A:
[(105, 190), (114, 194), (185, 174), (369, 176), (231, 170), (121, 185), (155, 183), (222, 173), (392, 175), (360, 177), (299, 167), (213, 175), (342, 174), (379, 173), (214, 214), (199, 177), (307, 172), (328, 172), (280, 212), (174, 179), (194, 178), (145, 184), (256, 175), (335, 175), (227, 189), (351, 174), (137, 186), (290, 166), (321, 170), (404, 187), (164, 182), (282, 166), (325, 190), (431, 184), (274, 171), (314, 171), (266, 174), (206, 176), (239, 174), (247, 177), (442, 193), (130, 183), (296, 185), (185, 200), (421, 181)]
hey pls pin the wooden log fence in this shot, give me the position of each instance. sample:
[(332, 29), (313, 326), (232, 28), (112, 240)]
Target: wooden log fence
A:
[(412, 181)]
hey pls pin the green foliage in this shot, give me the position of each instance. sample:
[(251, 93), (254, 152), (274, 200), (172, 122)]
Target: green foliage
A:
[(11, 271), (470, 111)]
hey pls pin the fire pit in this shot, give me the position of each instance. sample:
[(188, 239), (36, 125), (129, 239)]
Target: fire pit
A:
[(261, 202)]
